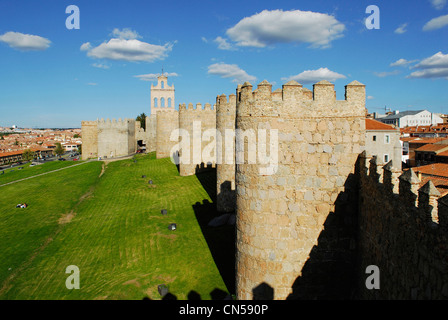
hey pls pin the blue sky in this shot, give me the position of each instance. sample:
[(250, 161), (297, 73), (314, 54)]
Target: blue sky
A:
[(51, 76)]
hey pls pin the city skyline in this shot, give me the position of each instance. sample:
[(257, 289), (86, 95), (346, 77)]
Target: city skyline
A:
[(53, 76)]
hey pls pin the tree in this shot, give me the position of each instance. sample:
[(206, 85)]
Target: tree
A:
[(59, 150), (142, 119), (76, 135), (80, 149), (28, 155)]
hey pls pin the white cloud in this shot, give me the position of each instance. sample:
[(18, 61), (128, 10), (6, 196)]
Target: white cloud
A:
[(128, 50), (370, 97), (223, 44), (85, 46), (438, 60), (436, 23), (432, 67), (153, 76), (430, 73), (125, 33), (204, 39), (25, 42), (313, 76), (230, 71), (92, 84), (438, 4), (126, 47), (401, 29), (278, 26), (402, 63), (100, 66), (387, 73)]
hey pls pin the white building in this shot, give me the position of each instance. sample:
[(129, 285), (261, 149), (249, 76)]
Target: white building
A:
[(383, 141), (411, 118)]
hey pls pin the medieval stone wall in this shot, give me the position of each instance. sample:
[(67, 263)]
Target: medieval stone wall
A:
[(282, 211), (194, 151), (116, 137), (225, 151), (89, 133), (403, 231), (167, 122)]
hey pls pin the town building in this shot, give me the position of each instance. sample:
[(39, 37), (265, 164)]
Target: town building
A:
[(411, 118), (383, 141)]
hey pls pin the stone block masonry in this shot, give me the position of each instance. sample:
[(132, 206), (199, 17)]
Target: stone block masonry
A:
[(195, 122), (280, 216), (225, 149), (167, 122), (89, 130), (402, 230)]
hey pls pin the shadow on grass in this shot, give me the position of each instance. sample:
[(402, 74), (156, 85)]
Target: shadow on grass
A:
[(220, 240), (216, 294)]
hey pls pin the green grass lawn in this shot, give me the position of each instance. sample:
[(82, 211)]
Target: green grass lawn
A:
[(112, 229), (12, 174)]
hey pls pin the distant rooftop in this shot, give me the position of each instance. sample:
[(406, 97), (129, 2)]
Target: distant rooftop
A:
[(377, 125), (402, 114)]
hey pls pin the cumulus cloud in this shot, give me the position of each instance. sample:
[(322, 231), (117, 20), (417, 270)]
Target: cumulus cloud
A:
[(278, 26), (153, 76), (402, 63), (25, 42), (438, 60), (86, 46), (126, 33), (438, 4), (436, 23), (313, 76), (224, 70), (126, 47), (432, 67), (401, 29), (223, 44)]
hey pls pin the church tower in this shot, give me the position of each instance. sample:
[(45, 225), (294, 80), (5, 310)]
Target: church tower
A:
[(162, 95)]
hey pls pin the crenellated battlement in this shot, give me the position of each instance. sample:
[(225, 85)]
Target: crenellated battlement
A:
[(115, 124), (428, 204), (196, 108), (403, 228), (293, 99), (225, 105)]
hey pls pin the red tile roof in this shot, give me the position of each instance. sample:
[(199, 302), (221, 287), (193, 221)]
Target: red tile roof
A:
[(377, 125), (422, 140), (435, 169), (433, 147)]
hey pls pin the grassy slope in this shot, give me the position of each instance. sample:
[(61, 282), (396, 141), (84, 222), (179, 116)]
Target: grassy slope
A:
[(12, 174), (118, 238)]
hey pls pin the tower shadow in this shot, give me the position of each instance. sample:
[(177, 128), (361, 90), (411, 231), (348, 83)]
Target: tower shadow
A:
[(331, 271), (221, 239)]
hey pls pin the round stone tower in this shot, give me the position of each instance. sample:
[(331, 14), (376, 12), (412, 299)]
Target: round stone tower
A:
[(281, 211), (225, 152)]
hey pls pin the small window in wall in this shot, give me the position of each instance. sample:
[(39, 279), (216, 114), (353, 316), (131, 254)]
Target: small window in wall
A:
[(374, 138), (155, 102), (386, 158), (386, 138), (163, 84), (169, 103), (162, 102)]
